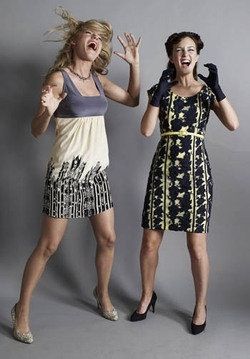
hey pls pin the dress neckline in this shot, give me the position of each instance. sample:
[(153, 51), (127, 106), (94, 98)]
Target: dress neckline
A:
[(77, 90), (186, 97)]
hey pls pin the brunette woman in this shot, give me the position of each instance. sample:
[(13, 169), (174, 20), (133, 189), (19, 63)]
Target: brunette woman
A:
[(180, 186)]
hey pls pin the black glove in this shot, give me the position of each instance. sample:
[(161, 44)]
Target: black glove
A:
[(213, 81), (164, 84)]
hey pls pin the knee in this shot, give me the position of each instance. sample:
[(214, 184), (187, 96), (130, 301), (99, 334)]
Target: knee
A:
[(47, 247), (197, 253), (149, 246), (108, 240)]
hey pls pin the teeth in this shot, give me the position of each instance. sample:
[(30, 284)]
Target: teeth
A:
[(185, 63)]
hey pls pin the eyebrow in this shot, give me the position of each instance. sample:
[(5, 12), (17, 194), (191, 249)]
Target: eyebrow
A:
[(189, 47)]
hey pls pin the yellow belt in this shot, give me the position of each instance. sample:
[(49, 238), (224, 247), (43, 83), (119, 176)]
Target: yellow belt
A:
[(182, 133)]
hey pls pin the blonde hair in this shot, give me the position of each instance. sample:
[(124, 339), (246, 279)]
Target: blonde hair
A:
[(69, 30)]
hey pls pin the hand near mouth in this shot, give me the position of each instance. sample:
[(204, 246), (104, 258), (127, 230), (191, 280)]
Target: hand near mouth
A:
[(165, 83), (213, 81), (131, 49)]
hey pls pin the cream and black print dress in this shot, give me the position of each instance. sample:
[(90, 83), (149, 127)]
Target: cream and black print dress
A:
[(76, 182), (180, 186)]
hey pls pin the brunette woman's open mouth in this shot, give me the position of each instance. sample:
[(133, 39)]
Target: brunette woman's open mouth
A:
[(185, 63)]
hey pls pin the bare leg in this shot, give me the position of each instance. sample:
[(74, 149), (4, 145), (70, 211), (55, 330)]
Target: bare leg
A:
[(196, 243), (103, 227), (52, 232), (148, 260)]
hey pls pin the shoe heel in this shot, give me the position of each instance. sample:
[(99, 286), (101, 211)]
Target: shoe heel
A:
[(153, 307), (153, 301)]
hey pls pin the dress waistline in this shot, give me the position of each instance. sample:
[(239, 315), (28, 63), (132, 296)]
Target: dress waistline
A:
[(182, 133)]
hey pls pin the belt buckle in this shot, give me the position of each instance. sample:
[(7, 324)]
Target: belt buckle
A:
[(183, 132)]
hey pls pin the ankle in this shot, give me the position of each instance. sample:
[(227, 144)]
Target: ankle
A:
[(102, 293), (147, 293), (146, 297), (22, 310), (200, 305)]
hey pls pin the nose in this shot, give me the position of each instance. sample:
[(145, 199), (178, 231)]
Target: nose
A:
[(95, 36)]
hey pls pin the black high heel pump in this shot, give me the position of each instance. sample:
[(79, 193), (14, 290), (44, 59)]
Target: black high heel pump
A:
[(135, 317), (198, 328)]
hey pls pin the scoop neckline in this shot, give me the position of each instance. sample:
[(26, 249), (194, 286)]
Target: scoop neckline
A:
[(185, 97), (72, 82)]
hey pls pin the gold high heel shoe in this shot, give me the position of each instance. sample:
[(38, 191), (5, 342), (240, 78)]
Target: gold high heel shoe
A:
[(22, 337), (110, 315)]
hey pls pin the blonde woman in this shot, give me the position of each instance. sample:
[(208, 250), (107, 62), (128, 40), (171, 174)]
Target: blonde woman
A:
[(76, 185)]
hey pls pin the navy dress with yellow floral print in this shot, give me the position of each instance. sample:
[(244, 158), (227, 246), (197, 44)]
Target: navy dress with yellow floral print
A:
[(180, 186)]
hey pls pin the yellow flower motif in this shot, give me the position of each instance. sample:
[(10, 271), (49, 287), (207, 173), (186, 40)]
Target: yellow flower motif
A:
[(181, 155)]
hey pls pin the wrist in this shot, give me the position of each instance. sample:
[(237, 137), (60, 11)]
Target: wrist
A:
[(135, 64), (219, 94), (49, 112)]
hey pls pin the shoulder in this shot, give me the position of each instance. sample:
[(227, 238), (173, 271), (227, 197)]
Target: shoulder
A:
[(56, 78), (56, 81), (208, 93), (103, 79), (152, 89)]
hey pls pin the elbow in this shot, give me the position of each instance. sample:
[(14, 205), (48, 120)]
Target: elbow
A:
[(35, 133), (134, 102), (146, 133), (234, 126)]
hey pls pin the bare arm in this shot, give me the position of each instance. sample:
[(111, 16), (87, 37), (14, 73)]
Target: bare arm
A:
[(226, 114), (149, 120), (50, 98), (118, 94), (129, 97)]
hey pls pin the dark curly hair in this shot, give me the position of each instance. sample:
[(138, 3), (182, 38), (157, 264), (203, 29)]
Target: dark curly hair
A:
[(177, 37)]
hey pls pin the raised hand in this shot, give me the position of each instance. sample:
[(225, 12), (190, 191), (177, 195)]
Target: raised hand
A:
[(49, 100), (213, 81), (131, 49), (167, 76), (165, 83)]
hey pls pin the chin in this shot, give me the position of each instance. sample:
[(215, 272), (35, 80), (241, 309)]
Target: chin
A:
[(92, 56), (186, 72), (89, 58)]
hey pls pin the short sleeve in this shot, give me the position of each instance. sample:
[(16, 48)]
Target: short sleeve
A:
[(154, 101), (151, 91), (211, 96)]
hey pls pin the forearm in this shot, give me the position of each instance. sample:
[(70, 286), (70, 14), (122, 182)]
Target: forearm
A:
[(134, 84), (40, 123), (149, 119), (227, 114)]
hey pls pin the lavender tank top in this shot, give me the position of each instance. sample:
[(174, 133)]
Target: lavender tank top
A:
[(76, 105)]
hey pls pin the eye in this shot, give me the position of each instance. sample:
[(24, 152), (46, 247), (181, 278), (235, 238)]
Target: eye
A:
[(88, 32)]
